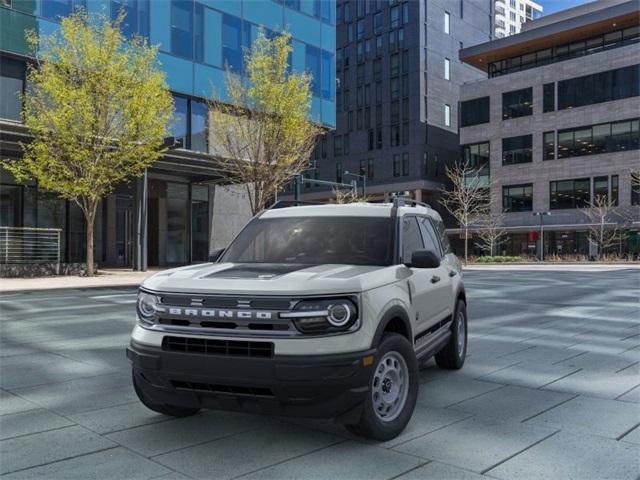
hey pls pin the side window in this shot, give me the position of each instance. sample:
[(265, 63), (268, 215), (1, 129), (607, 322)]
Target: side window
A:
[(430, 238), (442, 233), (411, 238)]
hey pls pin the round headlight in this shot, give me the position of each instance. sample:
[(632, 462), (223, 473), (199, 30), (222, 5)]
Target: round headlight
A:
[(147, 304), (339, 314)]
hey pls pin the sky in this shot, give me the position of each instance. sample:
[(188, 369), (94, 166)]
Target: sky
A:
[(552, 6)]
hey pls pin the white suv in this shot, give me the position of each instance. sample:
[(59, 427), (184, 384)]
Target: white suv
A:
[(315, 311)]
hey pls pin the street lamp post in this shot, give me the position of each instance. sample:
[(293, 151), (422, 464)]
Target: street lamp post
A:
[(541, 215), (364, 181)]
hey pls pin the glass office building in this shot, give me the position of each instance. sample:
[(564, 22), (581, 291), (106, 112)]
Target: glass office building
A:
[(164, 218)]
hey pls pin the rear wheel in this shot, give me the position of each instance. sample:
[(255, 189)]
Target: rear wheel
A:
[(170, 410), (453, 354), (393, 390)]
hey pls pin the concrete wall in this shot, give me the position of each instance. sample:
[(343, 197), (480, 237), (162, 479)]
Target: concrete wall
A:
[(540, 172)]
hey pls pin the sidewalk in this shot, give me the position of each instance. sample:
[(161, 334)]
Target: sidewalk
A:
[(105, 278), (561, 267)]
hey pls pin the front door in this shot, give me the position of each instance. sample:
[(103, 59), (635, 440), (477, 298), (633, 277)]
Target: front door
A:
[(124, 231)]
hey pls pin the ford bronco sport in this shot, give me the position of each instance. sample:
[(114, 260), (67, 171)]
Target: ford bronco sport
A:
[(317, 311)]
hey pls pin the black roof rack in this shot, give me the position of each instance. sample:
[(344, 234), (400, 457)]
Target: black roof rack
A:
[(400, 201)]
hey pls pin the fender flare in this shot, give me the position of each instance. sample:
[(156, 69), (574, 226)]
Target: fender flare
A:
[(395, 311)]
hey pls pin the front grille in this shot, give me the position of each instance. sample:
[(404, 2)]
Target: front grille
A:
[(207, 346), (229, 389), (269, 303)]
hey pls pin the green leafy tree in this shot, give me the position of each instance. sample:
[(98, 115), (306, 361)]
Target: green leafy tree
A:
[(98, 108), (262, 132)]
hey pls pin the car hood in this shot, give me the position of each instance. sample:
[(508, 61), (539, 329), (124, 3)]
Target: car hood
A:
[(270, 279)]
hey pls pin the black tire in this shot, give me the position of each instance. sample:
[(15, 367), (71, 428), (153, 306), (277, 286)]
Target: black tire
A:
[(370, 424), (169, 410), (452, 355)]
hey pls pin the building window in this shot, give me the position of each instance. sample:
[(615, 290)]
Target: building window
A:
[(517, 198), (447, 115), (312, 64), (474, 112), (599, 87), (182, 28), (569, 193), (12, 78), (602, 138), (517, 103), (549, 145), (516, 149), (377, 23), (231, 42), (396, 165), (345, 144), (371, 140), (447, 23), (476, 155), (395, 135), (405, 164), (328, 75), (337, 145), (180, 122), (54, 9), (447, 69), (635, 188), (394, 17), (198, 128), (405, 133), (339, 172), (378, 138), (394, 65), (601, 187), (549, 97), (136, 20)]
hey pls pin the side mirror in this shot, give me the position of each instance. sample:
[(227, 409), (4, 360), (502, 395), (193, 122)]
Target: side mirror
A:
[(424, 259), (214, 255)]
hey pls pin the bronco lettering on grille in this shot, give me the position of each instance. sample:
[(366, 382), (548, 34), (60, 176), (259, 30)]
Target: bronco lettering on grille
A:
[(220, 314)]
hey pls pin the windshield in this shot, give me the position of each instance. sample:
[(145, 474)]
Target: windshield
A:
[(314, 241)]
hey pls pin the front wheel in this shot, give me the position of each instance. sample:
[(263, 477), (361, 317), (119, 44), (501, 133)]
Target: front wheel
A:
[(453, 354), (393, 390)]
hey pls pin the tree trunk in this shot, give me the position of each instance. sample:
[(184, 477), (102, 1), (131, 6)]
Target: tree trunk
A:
[(90, 217), (466, 244)]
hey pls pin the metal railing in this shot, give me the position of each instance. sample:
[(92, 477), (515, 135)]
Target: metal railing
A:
[(30, 245)]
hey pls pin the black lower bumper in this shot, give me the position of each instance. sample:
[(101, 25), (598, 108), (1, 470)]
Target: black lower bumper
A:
[(322, 386)]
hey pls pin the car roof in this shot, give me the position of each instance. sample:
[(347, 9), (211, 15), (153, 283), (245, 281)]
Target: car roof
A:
[(360, 209)]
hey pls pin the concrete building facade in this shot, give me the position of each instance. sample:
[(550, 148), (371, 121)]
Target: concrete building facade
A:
[(557, 120), (510, 15), (398, 80)]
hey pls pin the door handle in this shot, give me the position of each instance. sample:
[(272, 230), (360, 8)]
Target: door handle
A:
[(435, 279), (452, 273)]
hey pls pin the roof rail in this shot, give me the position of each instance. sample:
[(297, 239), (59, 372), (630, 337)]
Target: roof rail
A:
[(290, 203), (399, 201)]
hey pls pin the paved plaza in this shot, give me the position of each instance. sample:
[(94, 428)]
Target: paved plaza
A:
[(551, 389)]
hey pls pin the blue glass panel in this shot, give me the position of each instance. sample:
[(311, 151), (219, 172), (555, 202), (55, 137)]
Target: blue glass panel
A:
[(182, 28), (210, 81), (130, 8), (303, 27), (307, 6), (298, 57), (312, 65), (179, 73), (178, 124), (212, 37), (97, 6), (316, 109), (231, 42), (198, 33), (267, 14), (160, 21), (198, 126), (328, 75), (328, 37), (143, 18), (53, 9), (234, 7), (329, 113)]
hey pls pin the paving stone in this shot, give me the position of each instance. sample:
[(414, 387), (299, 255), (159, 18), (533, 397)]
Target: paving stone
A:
[(598, 362), (529, 374), (120, 417), (573, 457), (450, 390), (32, 421), (631, 396), (82, 395), (597, 416), (633, 436), (440, 471), (114, 464), (158, 438), (43, 368), (246, 452), (601, 384), (542, 355), (10, 403), (41, 448), (511, 403), (352, 460), (475, 444)]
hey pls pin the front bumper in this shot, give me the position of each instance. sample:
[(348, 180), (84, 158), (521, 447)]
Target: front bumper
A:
[(321, 386)]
